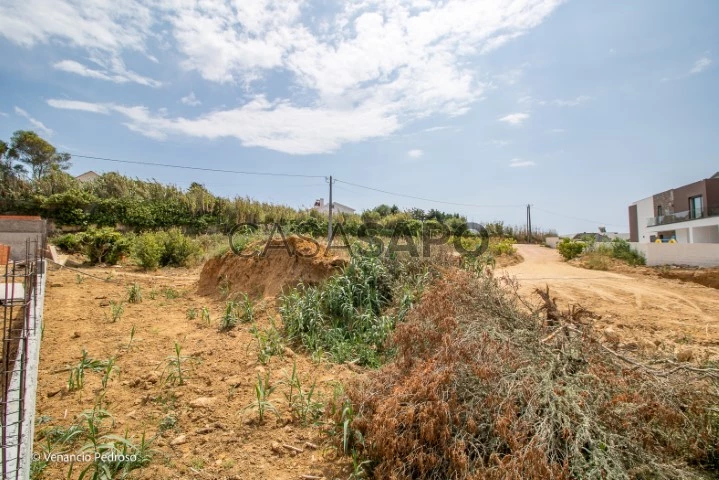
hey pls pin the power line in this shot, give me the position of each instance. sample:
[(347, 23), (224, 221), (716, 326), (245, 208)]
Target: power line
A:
[(204, 169), (578, 218), (424, 198)]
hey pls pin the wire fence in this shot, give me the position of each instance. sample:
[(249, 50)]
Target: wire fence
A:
[(23, 284)]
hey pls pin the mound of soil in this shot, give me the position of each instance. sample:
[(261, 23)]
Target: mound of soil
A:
[(708, 277), (269, 274)]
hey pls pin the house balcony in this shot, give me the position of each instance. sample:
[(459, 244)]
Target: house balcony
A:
[(684, 216)]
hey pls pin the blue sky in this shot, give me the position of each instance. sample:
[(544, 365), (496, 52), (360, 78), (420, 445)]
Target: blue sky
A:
[(576, 107)]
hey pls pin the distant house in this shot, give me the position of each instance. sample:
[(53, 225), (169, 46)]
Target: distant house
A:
[(87, 177), (323, 207), (686, 214)]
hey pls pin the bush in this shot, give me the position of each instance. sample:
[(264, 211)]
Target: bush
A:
[(570, 249), (623, 251), (597, 260), (148, 250), (503, 247), (104, 245), (70, 243), (178, 250)]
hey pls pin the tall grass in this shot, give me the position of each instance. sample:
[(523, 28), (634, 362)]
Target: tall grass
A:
[(349, 316)]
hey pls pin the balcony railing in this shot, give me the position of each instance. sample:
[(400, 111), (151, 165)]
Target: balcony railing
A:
[(682, 216)]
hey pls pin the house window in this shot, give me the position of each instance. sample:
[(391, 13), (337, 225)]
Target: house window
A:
[(695, 207), (659, 211)]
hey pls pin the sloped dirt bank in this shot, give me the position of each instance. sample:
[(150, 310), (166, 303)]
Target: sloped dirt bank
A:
[(269, 274)]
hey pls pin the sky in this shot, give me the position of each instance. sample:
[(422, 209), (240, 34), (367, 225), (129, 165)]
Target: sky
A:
[(576, 107)]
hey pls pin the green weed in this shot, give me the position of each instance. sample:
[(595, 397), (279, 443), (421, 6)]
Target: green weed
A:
[(262, 402), (134, 293)]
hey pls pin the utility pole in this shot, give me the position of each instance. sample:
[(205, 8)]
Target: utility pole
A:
[(329, 221), (529, 223)]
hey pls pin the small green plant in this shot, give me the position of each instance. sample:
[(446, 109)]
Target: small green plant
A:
[(134, 293), (269, 342), (191, 313), (77, 373), (262, 402), (168, 422), (176, 370), (229, 318), (80, 279), (116, 311), (170, 293), (205, 316), (132, 337), (153, 294), (247, 310), (110, 368), (303, 403), (113, 456)]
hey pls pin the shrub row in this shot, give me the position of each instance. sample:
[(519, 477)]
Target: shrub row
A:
[(149, 249)]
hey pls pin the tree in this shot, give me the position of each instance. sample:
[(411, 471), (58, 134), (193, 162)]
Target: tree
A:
[(34, 151), (11, 174)]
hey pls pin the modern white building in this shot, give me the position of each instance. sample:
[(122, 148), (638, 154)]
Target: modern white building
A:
[(687, 214)]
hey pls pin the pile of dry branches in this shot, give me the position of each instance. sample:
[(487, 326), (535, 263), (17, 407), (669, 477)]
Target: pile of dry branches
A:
[(481, 389)]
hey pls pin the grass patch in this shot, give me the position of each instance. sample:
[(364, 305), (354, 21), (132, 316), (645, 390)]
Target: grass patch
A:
[(351, 315)]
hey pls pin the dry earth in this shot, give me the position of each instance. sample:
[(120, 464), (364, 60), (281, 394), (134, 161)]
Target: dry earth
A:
[(213, 436), (644, 312)]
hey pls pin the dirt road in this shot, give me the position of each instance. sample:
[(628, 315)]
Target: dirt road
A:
[(647, 312)]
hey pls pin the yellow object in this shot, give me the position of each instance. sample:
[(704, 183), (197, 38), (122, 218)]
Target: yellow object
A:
[(658, 240), (672, 241)]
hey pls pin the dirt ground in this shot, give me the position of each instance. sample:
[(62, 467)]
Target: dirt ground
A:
[(641, 311), (213, 436), (207, 431)]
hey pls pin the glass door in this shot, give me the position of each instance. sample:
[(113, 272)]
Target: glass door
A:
[(695, 207)]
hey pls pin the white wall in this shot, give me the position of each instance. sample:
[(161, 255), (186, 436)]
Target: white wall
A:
[(645, 210), (682, 235), (692, 254), (706, 234), (551, 241)]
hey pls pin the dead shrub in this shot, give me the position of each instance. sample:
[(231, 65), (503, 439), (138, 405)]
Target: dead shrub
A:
[(481, 390)]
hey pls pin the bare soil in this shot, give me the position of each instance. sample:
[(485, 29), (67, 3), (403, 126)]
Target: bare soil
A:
[(222, 440), (268, 275), (641, 310)]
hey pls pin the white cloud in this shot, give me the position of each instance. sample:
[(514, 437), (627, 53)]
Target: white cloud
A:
[(514, 118), (572, 102), (436, 129), (34, 122), (114, 72), (517, 163), (700, 65), (76, 105), (415, 153), (259, 123), (190, 100), (3, 114), (395, 62)]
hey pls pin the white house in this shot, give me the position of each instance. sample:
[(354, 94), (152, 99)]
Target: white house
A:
[(323, 207), (687, 214)]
